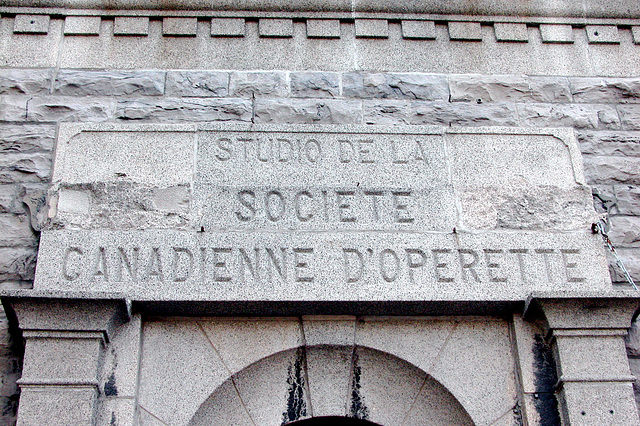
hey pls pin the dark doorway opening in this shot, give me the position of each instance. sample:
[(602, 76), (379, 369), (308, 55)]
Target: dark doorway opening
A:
[(333, 421)]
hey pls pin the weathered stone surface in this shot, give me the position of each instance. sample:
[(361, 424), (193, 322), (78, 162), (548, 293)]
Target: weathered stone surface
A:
[(256, 84), (82, 25), (18, 167), (325, 111), (323, 28), (8, 196), (275, 28), (31, 24), (227, 27), (479, 88), (635, 32), (630, 116), (440, 113), (628, 199), (556, 33), (13, 108), (16, 231), (631, 259), (419, 30), (109, 83), (180, 27), (131, 26), (579, 116), (26, 137), (619, 143), (66, 108), (184, 109), (22, 81), (18, 263), (429, 87), (603, 34), (506, 31), (372, 28), (605, 90), (625, 231), (465, 31), (197, 83), (601, 169), (315, 84)]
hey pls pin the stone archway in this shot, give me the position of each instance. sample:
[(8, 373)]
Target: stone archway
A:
[(333, 421), (307, 385)]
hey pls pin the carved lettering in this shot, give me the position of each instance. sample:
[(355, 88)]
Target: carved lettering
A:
[(68, 273)]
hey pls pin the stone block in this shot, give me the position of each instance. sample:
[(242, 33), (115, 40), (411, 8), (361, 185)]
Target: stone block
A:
[(82, 25), (225, 407), (73, 202), (16, 231), (26, 138), (629, 116), (8, 199), (600, 403), (109, 83), (507, 31), (25, 82), (628, 199), (105, 162), (249, 84), (430, 87), (329, 374), (61, 358), (482, 375), (605, 90), (440, 113), (242, 342), (31, 24), (418, 30), (180, 27), (625, 231), (119, 373), (275, 27), (337, 331), (13, 108), (184, 110), (602, 34), (308, 111), (20, 168), (131, 26), (281, 379), (608, 170), (57, 407), (556, 33), (465, 31), (18, 263), (68, 108), (315, 84), (197, 83), (635, 32), (604, 360), (372, 28), (479, 88), (579, 116), (227, 27), (610, 143), (323, 28)]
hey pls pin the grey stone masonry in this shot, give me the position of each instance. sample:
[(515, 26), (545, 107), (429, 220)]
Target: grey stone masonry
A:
[(604, 111)]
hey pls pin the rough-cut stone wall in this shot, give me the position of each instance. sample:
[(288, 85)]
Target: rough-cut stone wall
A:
[(604, 111)]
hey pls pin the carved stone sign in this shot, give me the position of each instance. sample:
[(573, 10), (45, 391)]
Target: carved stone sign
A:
[(232, 212)]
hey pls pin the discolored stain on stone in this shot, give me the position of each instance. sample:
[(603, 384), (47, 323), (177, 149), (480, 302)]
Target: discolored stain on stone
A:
[(357, 408), (110, 388), (296, 404), (545, 378)]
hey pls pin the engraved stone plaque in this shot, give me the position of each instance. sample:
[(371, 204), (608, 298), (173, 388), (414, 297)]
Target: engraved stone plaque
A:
[(303, 213)]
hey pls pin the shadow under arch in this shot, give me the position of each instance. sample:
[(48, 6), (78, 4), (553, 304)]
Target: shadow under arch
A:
[(309, 384)]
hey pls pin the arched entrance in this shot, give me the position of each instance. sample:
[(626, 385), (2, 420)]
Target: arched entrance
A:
[(331, 385)]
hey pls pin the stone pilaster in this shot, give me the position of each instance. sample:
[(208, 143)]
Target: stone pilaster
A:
[(64, 348), (587, 336)]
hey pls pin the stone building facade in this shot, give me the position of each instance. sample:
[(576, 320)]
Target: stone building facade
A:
[(160, 81)]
